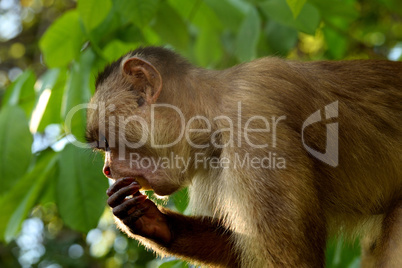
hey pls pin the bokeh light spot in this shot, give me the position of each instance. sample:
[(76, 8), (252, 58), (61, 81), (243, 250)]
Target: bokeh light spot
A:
[(17, 50)]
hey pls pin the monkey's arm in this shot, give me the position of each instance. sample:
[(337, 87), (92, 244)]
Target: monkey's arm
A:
[(201, 239)]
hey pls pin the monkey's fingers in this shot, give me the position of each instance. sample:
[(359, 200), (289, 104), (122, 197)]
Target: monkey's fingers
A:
[(119, 184), (130, 207), (118, 197), (132, 220)]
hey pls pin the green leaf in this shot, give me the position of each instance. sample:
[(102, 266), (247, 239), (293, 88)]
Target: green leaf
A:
[(106, 30), (15, 144), (48, 195), (77, 94), (296, 6), (20, 199), (48, 79), (337, 43), (307, 21), (280, 38), (55, 83), (345, 11), (93, 12), (171, 27), (340, 254), (130, 34), (81, 188), (116, 48), (199, 13), (394, 5), (208, 47), (150, 36), (62, 41), (180, 200), (139, 12), (39, 178), (229, 14), (174, 264), (21, 92), (247, 38)]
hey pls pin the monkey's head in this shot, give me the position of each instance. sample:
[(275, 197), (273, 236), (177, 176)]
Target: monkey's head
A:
[(132, 121)]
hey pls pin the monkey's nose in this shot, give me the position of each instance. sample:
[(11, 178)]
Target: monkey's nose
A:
[(107, 171)]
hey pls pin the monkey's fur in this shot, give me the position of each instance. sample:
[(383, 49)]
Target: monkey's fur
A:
[(259, 217)]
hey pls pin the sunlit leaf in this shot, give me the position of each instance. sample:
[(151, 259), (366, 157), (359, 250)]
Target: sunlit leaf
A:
[(296, 6), (20, 199), (49, 78), (21, 92), (93, 12), (62, 41), (56, 80), (15, 144), (77, 94), (81, 188), (174, 264), (247, 38)]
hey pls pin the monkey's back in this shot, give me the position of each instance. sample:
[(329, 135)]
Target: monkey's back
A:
[(368, 177)]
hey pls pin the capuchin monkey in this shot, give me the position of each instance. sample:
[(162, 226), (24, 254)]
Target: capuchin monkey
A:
[(277, 155)]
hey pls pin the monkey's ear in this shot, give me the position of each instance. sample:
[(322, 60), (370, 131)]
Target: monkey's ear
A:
[(144, 77)]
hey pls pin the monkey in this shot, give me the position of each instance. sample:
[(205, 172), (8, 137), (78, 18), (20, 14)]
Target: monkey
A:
[(278, 156)]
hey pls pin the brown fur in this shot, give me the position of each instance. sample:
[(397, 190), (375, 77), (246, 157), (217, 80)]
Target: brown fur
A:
[(271, 217)]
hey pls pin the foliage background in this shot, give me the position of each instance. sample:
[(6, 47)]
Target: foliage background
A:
[(52, 194)]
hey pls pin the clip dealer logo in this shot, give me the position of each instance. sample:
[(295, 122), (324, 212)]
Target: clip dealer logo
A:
[(240, 132), (330, 156)]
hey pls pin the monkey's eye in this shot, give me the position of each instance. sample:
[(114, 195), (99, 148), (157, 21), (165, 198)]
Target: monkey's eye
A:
[(103, 145), (107, 148), (140, 101)]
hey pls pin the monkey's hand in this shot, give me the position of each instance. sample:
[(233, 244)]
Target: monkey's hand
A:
[(138, 213)]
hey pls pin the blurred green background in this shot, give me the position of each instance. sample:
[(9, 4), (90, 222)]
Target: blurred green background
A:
[(52, 194)]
